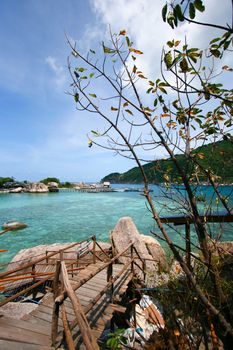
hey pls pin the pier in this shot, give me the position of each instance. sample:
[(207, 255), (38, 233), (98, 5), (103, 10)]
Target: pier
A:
[(83, 285)]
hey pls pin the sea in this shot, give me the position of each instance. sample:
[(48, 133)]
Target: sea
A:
[(73, 216)]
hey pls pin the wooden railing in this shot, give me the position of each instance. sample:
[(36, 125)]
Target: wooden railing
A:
[(64, 290), (32, 276), (187, 220), (88, 339)]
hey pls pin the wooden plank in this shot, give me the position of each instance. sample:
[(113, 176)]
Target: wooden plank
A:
[(13, 345), (88, 339), (23, 335), (22, 324)]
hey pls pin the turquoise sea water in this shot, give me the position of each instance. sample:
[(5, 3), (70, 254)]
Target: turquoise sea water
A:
[(73, 216)]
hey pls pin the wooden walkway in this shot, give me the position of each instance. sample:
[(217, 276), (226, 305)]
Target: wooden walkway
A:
[(55, 323)]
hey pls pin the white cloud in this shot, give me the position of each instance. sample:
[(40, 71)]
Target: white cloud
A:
[(143, 22), (59, 72)]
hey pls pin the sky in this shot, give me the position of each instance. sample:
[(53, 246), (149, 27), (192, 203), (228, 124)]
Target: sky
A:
[(42, 133)]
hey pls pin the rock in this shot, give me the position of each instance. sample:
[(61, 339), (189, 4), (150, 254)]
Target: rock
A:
[(14, 225), (25, 256), (149, 248), (156, 251), (16, 190), (37, 187), (17, 310), (53, 187)]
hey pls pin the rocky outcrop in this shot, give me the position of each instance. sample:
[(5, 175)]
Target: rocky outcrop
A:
[(149, 248), (16, 190), (53, 187), (29, 255), (36, 187)]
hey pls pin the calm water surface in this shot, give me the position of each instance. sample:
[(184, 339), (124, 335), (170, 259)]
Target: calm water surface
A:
[(72, 216)]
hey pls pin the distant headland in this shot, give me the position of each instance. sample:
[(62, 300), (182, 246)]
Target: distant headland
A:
[(216, 157)]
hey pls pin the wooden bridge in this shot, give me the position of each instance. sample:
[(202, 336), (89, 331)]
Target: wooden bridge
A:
[(84, 284)]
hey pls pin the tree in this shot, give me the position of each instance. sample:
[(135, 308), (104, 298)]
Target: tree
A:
[(185, 107), (50, 179)]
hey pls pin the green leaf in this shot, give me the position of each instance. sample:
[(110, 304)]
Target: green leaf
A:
[(170, 43), (168, 59), (107, 50), (199, 5), (95, 133), (93, 95), (81, 69), (76, 97), (215, 53), (184, 65), (92, 75), (149, 90), (127, 41), (155, 102), (215, 40), (162, 89), (178, 13), (164, 12), (192, 11)]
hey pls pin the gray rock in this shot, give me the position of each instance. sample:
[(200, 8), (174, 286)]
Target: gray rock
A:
[(37, 187), (149, 248)]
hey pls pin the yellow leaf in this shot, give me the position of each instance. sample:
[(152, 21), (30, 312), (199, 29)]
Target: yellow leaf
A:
[(134, 69), (200, 155), (125, 104), (177, 42), (138, 52), (141, 76), (122, 32), (165, 115), (114, 109), (129, 111), (225, 67)]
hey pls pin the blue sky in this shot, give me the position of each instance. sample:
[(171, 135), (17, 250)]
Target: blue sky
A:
[(41, 132)]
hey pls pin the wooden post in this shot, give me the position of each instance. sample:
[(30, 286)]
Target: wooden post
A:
[(55, 314), (188, 244), (68, 335), (94, 249), (84, 327), (110, 277), (144, 270), (61, 256), (131, 255), (34, 292)]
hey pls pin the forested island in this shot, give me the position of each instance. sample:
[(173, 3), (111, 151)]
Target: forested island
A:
[(216, 157)]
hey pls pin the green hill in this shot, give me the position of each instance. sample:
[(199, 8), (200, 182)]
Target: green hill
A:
[(216, 157)]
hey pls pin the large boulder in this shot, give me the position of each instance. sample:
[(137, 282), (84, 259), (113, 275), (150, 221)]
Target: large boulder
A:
[(148, 248), (53, 186), (36, 187), (30, 255)]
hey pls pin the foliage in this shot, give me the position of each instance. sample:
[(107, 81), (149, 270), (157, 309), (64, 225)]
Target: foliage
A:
[(217, 157), (3, 180), (115, 339), (67, 184), (186, 107), (50, 179)]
